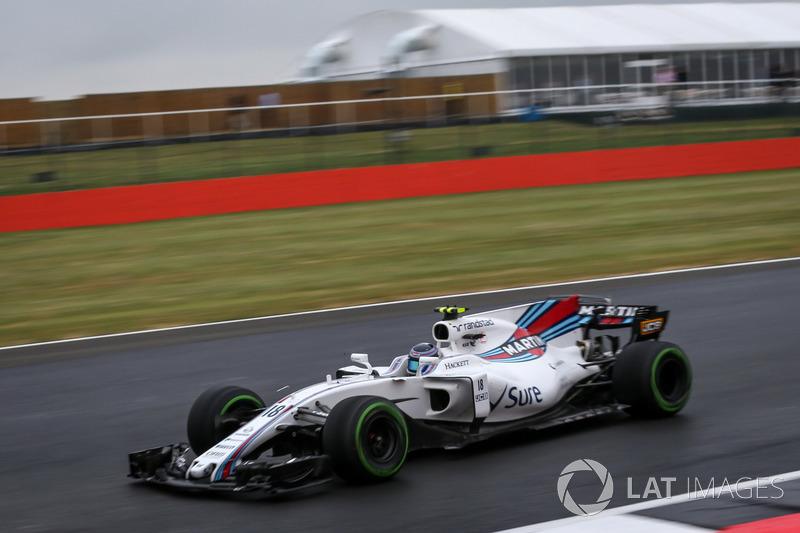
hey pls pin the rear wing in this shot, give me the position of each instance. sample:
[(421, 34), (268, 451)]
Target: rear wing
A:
[(646, 321), (503, 333)]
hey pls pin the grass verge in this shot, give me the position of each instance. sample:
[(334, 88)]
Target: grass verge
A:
[(75, 282)]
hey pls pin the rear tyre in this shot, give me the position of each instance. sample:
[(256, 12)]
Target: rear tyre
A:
[(654, 378), (366, 438), (218, 412)]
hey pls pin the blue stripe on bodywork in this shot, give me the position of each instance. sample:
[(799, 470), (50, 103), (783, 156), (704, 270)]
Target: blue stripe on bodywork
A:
[(565, 326), (535, 312)]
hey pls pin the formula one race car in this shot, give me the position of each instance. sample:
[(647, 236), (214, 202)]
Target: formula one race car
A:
[(530, 366)]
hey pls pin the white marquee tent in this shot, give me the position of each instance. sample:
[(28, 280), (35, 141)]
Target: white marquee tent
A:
[(477, 41)]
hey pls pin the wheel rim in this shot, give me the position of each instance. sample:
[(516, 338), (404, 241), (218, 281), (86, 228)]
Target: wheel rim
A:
[(382, 437), (671, 380)]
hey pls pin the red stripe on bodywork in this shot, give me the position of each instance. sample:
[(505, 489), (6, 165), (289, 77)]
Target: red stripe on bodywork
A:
[(563, 309)]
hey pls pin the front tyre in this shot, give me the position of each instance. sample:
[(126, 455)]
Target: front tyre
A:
[(218, 412), (654, 378), (366, 438)]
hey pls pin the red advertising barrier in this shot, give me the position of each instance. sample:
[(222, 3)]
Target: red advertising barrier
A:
[(121, 205)]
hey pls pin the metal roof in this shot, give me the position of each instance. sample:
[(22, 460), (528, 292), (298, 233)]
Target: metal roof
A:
[(627, 28)]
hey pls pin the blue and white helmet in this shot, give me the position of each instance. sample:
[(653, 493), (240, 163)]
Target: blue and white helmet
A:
[(424, 349)]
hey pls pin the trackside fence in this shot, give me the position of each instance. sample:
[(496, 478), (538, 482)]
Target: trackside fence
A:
[(127, 149)]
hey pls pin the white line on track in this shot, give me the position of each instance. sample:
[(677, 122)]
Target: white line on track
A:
[(384, 304)]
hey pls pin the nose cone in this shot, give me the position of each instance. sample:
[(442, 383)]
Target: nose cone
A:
[(200, 469)]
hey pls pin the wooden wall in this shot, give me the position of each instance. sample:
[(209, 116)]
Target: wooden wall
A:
[(230, 117), (18, 134)]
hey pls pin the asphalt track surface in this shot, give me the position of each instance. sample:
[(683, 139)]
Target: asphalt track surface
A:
[(67, 425)]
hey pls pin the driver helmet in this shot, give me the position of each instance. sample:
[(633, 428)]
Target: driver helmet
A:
[(424, 349)]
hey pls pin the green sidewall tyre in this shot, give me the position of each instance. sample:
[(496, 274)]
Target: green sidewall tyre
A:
[(653, 378), (242, 398), (362, 439), (236, 405), (366, 438), (671, 399)]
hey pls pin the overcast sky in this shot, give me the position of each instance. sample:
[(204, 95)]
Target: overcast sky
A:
[(57, 49)]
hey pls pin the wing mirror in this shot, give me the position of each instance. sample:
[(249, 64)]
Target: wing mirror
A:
[(362, 359), (423, 361)]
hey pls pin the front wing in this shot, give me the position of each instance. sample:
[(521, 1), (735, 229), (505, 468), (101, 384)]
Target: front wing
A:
[(167, 465)]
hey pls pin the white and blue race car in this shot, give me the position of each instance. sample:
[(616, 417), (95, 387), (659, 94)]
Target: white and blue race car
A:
[(531, 366)]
